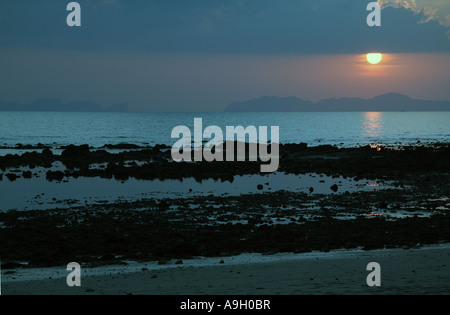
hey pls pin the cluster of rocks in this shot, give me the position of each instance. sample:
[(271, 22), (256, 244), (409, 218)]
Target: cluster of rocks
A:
[(107, 233), (49, 238), (362, 162)]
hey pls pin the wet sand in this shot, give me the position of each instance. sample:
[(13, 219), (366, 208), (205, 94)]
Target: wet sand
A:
[(403, 271)]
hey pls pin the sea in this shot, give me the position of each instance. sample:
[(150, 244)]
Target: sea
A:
[(344, 129), (57, 129)]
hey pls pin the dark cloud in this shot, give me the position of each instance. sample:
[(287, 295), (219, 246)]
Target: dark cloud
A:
[(217, 26)]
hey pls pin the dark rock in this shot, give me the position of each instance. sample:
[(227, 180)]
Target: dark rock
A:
[(76, 156), (325, 148), (12, 265), (334, 188), (260, 187), (164, 205), (26, 174), (302, 146), (47, 153), (75, 151), (57, 175), (122, 146), (383, 205), (107, 258), (11, 176)]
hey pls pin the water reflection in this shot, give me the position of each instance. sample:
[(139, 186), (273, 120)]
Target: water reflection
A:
[(39, 193), (373, 124)]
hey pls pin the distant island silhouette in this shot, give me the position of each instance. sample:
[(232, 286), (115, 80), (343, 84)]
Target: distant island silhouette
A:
[(383, 103), (56, 105), (388, 102)]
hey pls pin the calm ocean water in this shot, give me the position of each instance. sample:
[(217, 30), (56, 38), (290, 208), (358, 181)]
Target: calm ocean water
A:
[(342, 129)]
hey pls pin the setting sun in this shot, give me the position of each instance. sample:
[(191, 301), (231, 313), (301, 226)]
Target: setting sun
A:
[(374, 58)]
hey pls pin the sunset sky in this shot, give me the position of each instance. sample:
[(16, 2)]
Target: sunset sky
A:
[(200, 55)]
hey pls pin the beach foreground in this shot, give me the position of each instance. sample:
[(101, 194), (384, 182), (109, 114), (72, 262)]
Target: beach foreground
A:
[(317, 223), (403, 271)]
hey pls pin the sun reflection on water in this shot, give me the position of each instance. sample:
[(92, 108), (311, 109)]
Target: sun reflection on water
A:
[(373, 124)]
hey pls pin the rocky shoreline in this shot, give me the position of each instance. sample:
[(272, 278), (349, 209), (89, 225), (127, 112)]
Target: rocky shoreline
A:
[(156, 163), (414, 212)]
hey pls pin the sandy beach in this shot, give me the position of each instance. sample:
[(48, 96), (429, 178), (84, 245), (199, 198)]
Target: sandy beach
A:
[(403, 271)]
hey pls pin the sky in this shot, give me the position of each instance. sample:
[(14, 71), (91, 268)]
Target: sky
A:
[(201, 55)]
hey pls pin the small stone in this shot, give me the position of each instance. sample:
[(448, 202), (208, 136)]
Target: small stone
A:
[(12, 177)]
